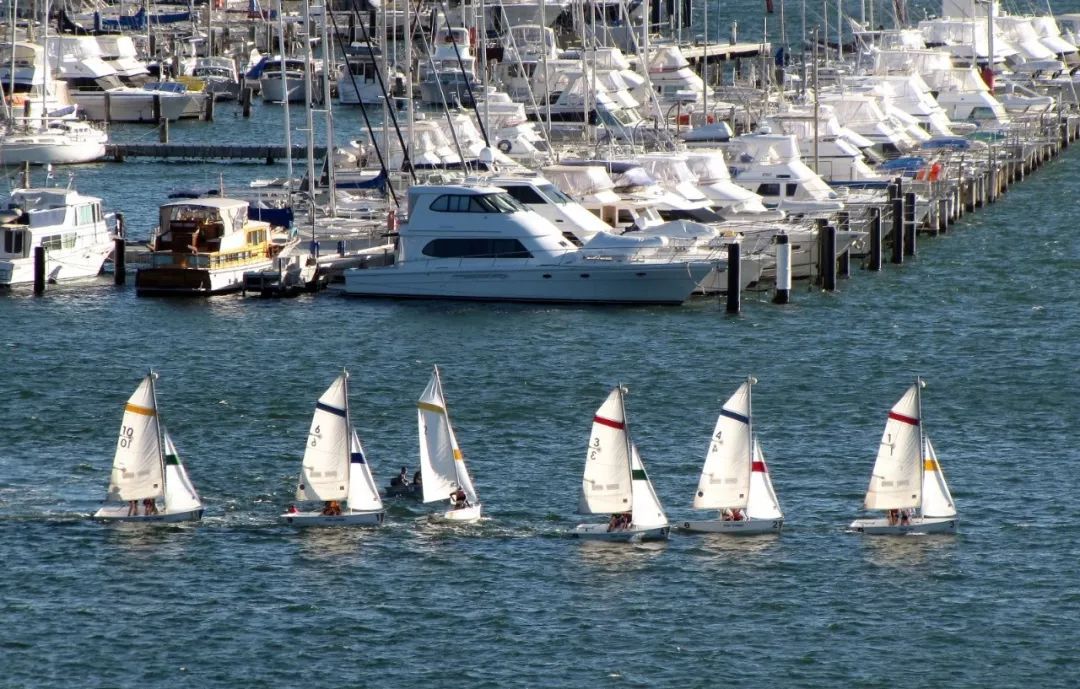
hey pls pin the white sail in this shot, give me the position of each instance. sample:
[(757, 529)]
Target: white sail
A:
[(896, 482), (180, 495), (325, 471), (138, 471), (647, 512), (363, 494), (442, 465), (725, 477), (762, 503), (936, 499), (606, 485)]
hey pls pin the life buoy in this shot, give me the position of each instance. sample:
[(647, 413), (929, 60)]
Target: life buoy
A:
[(505, 146)]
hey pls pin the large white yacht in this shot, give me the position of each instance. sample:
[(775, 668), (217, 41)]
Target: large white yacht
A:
[(72, 228), (477, 242)]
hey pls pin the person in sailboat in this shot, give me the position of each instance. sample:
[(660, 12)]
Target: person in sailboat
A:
[(905, 517), (893, 517), (417, 479), (133, 508), (149, 507), (458, 499), (733, 514), (402, 479)]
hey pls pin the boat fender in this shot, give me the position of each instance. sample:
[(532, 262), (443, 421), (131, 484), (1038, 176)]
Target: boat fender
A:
[(505, 146)]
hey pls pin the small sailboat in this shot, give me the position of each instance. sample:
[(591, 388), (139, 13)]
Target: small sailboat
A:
[(615, 481), (907, 482), (735, 479), (147, 467), (335, 468), (442, 466)]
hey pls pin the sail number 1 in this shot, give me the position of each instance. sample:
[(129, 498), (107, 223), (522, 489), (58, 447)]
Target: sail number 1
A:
[(127, 435)]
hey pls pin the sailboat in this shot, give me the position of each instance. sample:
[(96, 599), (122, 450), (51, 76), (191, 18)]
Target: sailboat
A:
[(334, 467), (615, 481), (735, 479), (907, 482), (442, 466), (147, 467)]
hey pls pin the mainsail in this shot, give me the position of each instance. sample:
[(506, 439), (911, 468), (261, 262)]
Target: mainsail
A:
[(138, 471), (442, 464), (725, 477), (606, 485), (325, 471), (896, 481)]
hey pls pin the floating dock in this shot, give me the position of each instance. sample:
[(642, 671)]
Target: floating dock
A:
[(185, 152)]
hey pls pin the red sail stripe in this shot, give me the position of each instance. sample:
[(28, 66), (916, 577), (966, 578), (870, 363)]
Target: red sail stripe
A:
[(608, 422), (758, 467), (903, 419)]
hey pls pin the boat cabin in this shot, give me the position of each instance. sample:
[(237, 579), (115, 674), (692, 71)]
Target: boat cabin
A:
[(51, 218), (210, 226)]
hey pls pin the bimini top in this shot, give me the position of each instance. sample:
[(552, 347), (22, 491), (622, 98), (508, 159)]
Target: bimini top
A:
[(231, 213)]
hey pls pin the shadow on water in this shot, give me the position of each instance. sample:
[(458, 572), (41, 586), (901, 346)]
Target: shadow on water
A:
[(619, 557), (912, 551)]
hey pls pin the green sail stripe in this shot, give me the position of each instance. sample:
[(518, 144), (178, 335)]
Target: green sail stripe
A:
[(172, 459), (638, 475)]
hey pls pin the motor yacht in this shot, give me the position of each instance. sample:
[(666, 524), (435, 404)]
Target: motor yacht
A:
[(477, 242)]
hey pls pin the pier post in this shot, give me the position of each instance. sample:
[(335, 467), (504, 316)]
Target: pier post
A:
[(828, 262), (108, 107), (341, 247), (39, 270), (245, 100), (208, 110), (910, 229), (783, 269), (163, 130), (157, 107), (120, 252), (943, 215), (843, 264), (898, 231), (875, 238), (734, 278), (26, 175)]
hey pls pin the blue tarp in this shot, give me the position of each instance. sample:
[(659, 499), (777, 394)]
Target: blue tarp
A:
[(909, 165)]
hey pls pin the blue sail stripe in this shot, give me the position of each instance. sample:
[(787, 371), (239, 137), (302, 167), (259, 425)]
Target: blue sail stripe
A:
[(358, 458), (735, 415), (328, 408)]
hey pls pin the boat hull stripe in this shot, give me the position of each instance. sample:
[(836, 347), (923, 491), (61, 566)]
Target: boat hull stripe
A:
[(735, 415), (136, 409), (332, 410), (609, 423), (903, 419)]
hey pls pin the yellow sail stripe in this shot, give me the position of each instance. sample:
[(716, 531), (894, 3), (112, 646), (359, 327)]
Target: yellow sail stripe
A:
[(428, 406), (136, 409), (931, 465), (457, 455)]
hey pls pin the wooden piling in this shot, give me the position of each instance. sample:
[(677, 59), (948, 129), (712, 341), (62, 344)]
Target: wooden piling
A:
[(39, 270), (783, 269), (163, 130), (245, 100), (828, 258), (909, 223), (734, 277), (875, 239), (898, 231), (943, 215)]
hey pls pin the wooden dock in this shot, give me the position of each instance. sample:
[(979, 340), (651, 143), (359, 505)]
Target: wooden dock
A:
[(714, 52), (186, 152)]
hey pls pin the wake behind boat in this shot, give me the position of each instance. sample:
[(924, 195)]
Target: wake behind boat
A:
[(615, 482), (442, 465), (734, 479), (907, 482), (335, 468), (147, 467)]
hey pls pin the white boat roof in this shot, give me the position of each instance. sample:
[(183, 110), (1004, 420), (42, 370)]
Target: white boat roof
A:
[(209, 202)]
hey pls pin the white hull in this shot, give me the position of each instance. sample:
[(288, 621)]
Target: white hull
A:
[(634, 534), (462, 515), (273, 92), (746, 527), (119, 513), (48, 150), (136, 105), (607, 282), (194, 281), (368, 94), (61, 264), (919, 525), (346, 518)]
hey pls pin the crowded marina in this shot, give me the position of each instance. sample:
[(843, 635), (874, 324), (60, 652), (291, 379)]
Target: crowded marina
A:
[(584, 139)]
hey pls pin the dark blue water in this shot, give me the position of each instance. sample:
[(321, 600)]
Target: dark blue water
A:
[(988, 315)]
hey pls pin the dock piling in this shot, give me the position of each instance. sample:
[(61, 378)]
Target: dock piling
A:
[(898, 231), (783, 269), (875, 239), (909, 223), (734, 278), (39, 270), (827, 236)]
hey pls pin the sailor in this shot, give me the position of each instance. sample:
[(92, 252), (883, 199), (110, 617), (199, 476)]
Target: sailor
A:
[(458, 499), (402, 479)]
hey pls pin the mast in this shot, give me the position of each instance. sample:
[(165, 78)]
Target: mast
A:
[(285, 104), (629, 446), (922, 441), (750, 380), (160, 438), (446, 413), (348, 430)]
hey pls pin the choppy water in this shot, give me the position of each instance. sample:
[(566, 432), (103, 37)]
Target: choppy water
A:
[(988, 315)]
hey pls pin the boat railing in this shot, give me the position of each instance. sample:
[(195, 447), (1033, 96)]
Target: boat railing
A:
[(642, 256), (214, 261)]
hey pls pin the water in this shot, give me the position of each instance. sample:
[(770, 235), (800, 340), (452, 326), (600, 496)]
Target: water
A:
[(988, 315)]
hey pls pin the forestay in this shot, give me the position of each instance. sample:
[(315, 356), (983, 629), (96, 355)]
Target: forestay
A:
[(606, 485), (896, 482), (325, 471), (725, 477), (936, 499), (137, 465)]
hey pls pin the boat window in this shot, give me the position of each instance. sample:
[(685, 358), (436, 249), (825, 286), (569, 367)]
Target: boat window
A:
[(69, 240), (13, 242), (485, 203), (554, 194), (768, 189), (478, 247), (526, 195), (84, 215), (791, 189), (52, 242)]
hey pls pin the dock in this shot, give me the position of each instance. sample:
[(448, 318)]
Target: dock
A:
[(186, 152), (714, 52)]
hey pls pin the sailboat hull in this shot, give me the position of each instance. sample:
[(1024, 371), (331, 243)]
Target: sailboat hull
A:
[(462, 514), (346, 518), (119, 513), (918, 525), (600, 532), (746, 527)]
